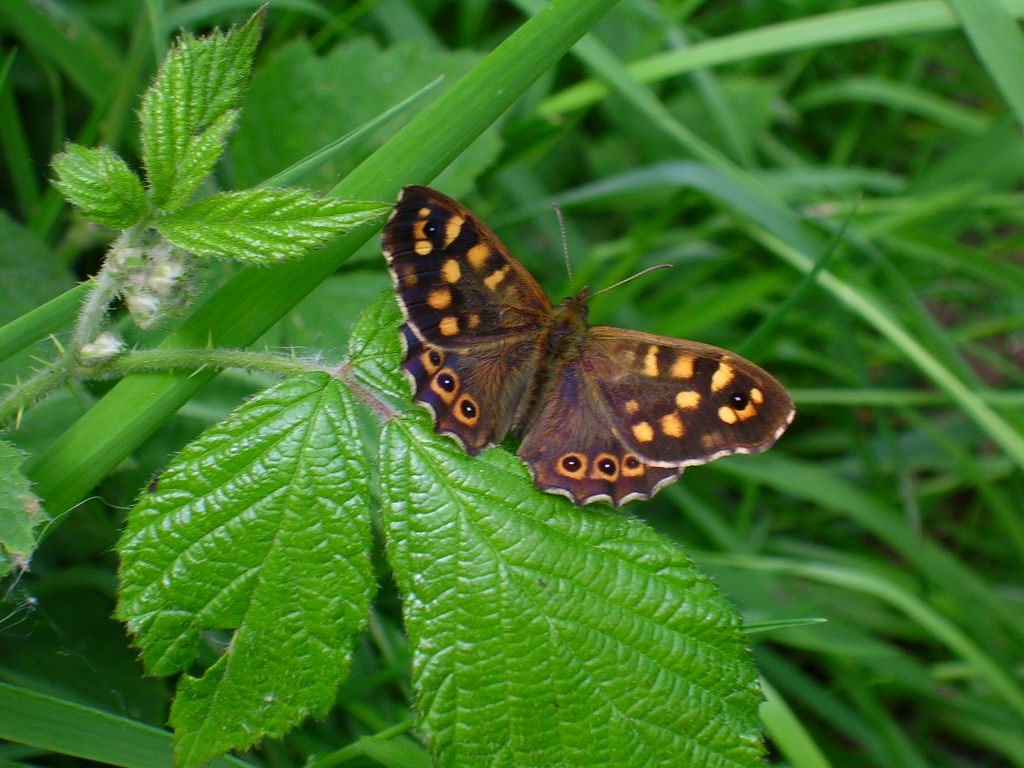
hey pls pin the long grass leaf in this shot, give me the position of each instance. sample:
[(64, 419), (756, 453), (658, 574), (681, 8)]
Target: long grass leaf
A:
[(252, 301), (883, 20), (999, 43)]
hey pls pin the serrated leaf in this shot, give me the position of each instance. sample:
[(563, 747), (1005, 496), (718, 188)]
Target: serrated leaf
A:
[(101, 184), (544, 634), (263, 225), (259, 526), (375, 349), (189, 110), (20, 512)]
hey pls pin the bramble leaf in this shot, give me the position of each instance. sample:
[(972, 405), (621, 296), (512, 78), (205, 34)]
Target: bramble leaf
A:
[(263, 225), (189, 110), (375, 349), (101, 184), (20, 513), (259, 527), (545, 634)]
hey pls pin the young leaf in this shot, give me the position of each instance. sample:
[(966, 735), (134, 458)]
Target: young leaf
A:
[(188, 111), (263, 225), (101, 184), (545, 634), (259, 526), (375, 348), (20, 513)]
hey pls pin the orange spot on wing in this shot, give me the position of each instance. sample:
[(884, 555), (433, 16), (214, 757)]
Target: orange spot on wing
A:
[(440, 299), (477, 255), (723, 377), (643, 432), (672, 425), (451, 272), (687, 400), (449, 326)]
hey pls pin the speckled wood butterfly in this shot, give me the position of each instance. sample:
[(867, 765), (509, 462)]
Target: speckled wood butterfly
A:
[(604, 413)]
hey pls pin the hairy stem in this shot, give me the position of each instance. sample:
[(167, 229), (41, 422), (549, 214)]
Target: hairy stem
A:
[(25, 395), (105, 286), (45, 381), (147, 361)]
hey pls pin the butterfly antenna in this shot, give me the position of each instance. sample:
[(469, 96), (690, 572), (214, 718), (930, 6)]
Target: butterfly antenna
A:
[(632, 277), (565, 240)]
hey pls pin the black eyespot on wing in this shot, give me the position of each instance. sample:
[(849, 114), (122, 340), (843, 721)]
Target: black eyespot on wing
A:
[(739, 400)]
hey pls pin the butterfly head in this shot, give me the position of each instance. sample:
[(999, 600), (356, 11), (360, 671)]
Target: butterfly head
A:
[(573, 309)]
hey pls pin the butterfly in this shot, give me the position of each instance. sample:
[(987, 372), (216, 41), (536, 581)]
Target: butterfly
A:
[(605, 414)]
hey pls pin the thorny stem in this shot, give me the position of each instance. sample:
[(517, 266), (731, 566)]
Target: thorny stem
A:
[(146, 361), (24, 395), (151, 360), (105, 286)]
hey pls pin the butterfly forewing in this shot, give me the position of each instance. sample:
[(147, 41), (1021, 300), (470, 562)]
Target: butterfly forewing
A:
[(457, 284), (675, 402)]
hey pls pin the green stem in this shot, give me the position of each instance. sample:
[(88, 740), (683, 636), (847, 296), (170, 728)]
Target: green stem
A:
[(152, 360), (23, 396), (358, 750), (345, 374), (104, 287), (59, 373)]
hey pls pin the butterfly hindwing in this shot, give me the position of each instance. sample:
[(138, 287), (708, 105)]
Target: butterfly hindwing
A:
[(472, 395), (572, 450), (457, 284), (680, 403)]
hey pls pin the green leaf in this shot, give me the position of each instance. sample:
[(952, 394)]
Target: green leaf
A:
[(259, 526), (264, 225), (20, 513), (101, 184), (375, 349), (544, 634), (189, 110)]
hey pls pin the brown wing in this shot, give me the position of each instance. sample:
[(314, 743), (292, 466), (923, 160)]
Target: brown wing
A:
[(457, 284), (676, 403), (472, 394), (572, 449)]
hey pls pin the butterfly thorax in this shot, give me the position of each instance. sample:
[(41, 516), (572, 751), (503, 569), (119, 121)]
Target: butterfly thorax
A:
[(564, 334)]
